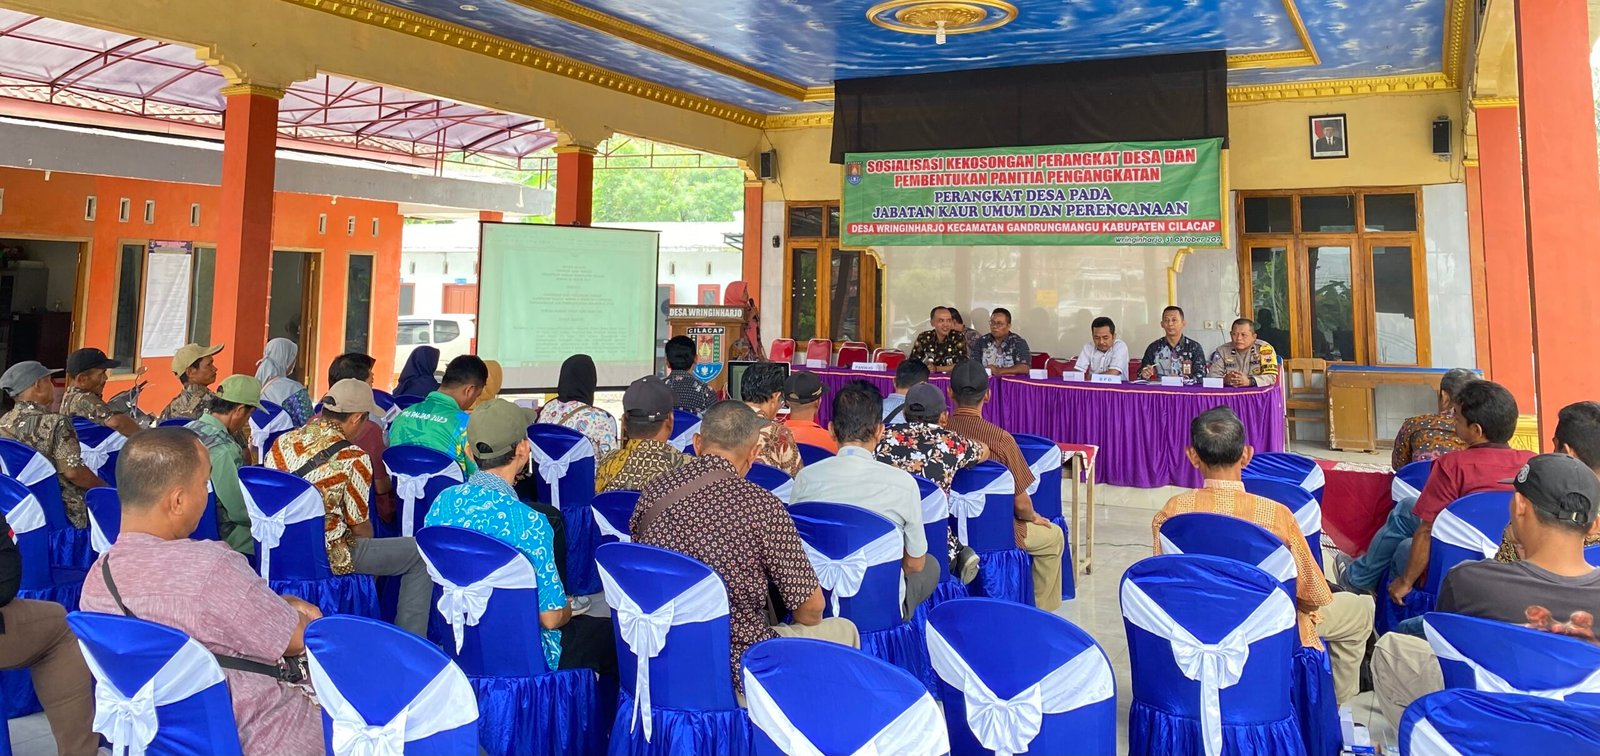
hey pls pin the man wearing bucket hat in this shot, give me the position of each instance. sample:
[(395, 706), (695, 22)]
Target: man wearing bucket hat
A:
[(196, 369), (229, 414), (28, 391)]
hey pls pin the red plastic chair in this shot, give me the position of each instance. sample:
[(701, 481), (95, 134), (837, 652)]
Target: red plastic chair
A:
[(820, 349), (1054, 367), (782, 350), (851, 353), (1133, 369), (1041, 361), (891, 358)]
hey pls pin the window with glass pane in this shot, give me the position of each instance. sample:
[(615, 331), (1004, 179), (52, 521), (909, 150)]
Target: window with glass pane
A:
[(408, 299), (1394, 305), (845, 297), (1268, 215), (413, 332), (200, 295), (1269, 291), (803, 294), (805, 221), (833, 222), (125, 326), (358, 304), (1333, 330), (445, 330), (1390, 212), (1327, 213)]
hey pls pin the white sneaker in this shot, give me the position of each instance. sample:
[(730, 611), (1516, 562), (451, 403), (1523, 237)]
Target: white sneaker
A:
[(966, 567), (578, 604)]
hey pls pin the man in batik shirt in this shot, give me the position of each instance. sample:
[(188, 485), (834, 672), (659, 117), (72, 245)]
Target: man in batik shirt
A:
[(1175, 355), (646, 427), (942, 346), (1000, 350)]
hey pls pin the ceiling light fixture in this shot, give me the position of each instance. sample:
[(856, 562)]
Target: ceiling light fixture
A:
[(469, 8), (942, 18)]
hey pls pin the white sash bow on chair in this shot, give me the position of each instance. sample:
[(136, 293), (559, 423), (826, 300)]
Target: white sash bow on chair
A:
[(445, 703), (129, 722), (411, 488), (96, 457), (1450, 528), (259, 435), (97, 537), (935, 507), (268, 529), (919, 731), (965, 505), (645, 633), (1490, 682), (36, 471), (842, 577), (683, 438), (1428, 741), (1050, 462), (1008, 726), (463, 605), (26, 516), (1214, 665), (552, 470), (606, 528), (1279, 564)]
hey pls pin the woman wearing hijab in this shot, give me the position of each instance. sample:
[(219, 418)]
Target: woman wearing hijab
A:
[(417, 377), (277, 387), (574, 405), (491, 388)]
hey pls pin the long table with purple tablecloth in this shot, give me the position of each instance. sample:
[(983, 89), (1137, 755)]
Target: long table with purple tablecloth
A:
[(1142, 430)]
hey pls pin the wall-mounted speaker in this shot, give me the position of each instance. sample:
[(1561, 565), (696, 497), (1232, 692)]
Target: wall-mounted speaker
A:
[(768, 168), (1441, 137)]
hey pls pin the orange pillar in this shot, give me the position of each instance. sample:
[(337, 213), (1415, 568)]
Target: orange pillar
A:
[(574, 185), (1505, 253), (1480, 305), (1563, 208), (244, 244), (750, 269)]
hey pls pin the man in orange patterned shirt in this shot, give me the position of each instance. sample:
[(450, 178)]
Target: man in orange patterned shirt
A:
[(321, 453), (1344, 620)]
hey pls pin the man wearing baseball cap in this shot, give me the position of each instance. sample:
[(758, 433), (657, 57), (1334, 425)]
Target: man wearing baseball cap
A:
[(196, 369), (87, 370), (803, 392), (646, 429), (322, 454), (922, 446), (28, 390), (497, 435), (1553, 588), (228, 415)]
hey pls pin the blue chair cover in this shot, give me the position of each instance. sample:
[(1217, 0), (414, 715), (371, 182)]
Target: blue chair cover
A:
[(41, 581), (1499, 657), (691, 707), (1305, 507), (105, 517), (100, 446), (772, 479), (1045, 458), (1473, 723), (572, 494), (1007, 571), (387, 410), (1469, 529), (1248, 618), (684, 425), (193, 710), (613, 510), (176, 422), (404, 401), (298, 565), (5, 737), (811, 454), (266, 425), (68, 545), (523, 706), (1315, 704), (936, 529), (367, 673), (419, 474), (1078, 692), (1287, 466), (1409, 480), (206, 528), (810, 696), (837, 537), (1591, 554)]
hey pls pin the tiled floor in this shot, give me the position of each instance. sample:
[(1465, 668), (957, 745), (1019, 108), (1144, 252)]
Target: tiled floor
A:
[(1122, 537)]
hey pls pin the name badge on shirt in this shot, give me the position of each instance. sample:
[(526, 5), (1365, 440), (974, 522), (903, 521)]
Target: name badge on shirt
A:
[(1107, 378)]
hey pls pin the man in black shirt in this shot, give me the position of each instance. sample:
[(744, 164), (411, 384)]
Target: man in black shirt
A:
[(34, 636), (688, 393)]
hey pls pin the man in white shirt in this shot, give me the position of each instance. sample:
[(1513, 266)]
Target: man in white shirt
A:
[(1105, 354), (856, 478)]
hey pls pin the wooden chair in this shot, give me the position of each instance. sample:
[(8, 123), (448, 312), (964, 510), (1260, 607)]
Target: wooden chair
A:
[(1305, 392)]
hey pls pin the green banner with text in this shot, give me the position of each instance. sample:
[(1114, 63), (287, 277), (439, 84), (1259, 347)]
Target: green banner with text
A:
[(1149, 194)]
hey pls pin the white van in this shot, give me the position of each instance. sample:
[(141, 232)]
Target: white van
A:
[(451, 334)]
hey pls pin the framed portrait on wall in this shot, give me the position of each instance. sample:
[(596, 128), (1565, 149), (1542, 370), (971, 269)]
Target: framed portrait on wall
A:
[(1329, 139)]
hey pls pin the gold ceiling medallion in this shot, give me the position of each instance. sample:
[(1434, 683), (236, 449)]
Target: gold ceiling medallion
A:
[(941, 17)]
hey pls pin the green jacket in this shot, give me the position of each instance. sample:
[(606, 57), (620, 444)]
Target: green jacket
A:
[(233, 520), (436, 422)]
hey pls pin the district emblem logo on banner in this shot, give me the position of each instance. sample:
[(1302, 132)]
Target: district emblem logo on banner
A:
[(705, 371), (852, 172)]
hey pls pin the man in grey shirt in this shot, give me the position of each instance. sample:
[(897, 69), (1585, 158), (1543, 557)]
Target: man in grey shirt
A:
[(1552, 589), (856, 477)]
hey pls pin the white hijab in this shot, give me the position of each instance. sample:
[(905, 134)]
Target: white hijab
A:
[(273, 370)]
